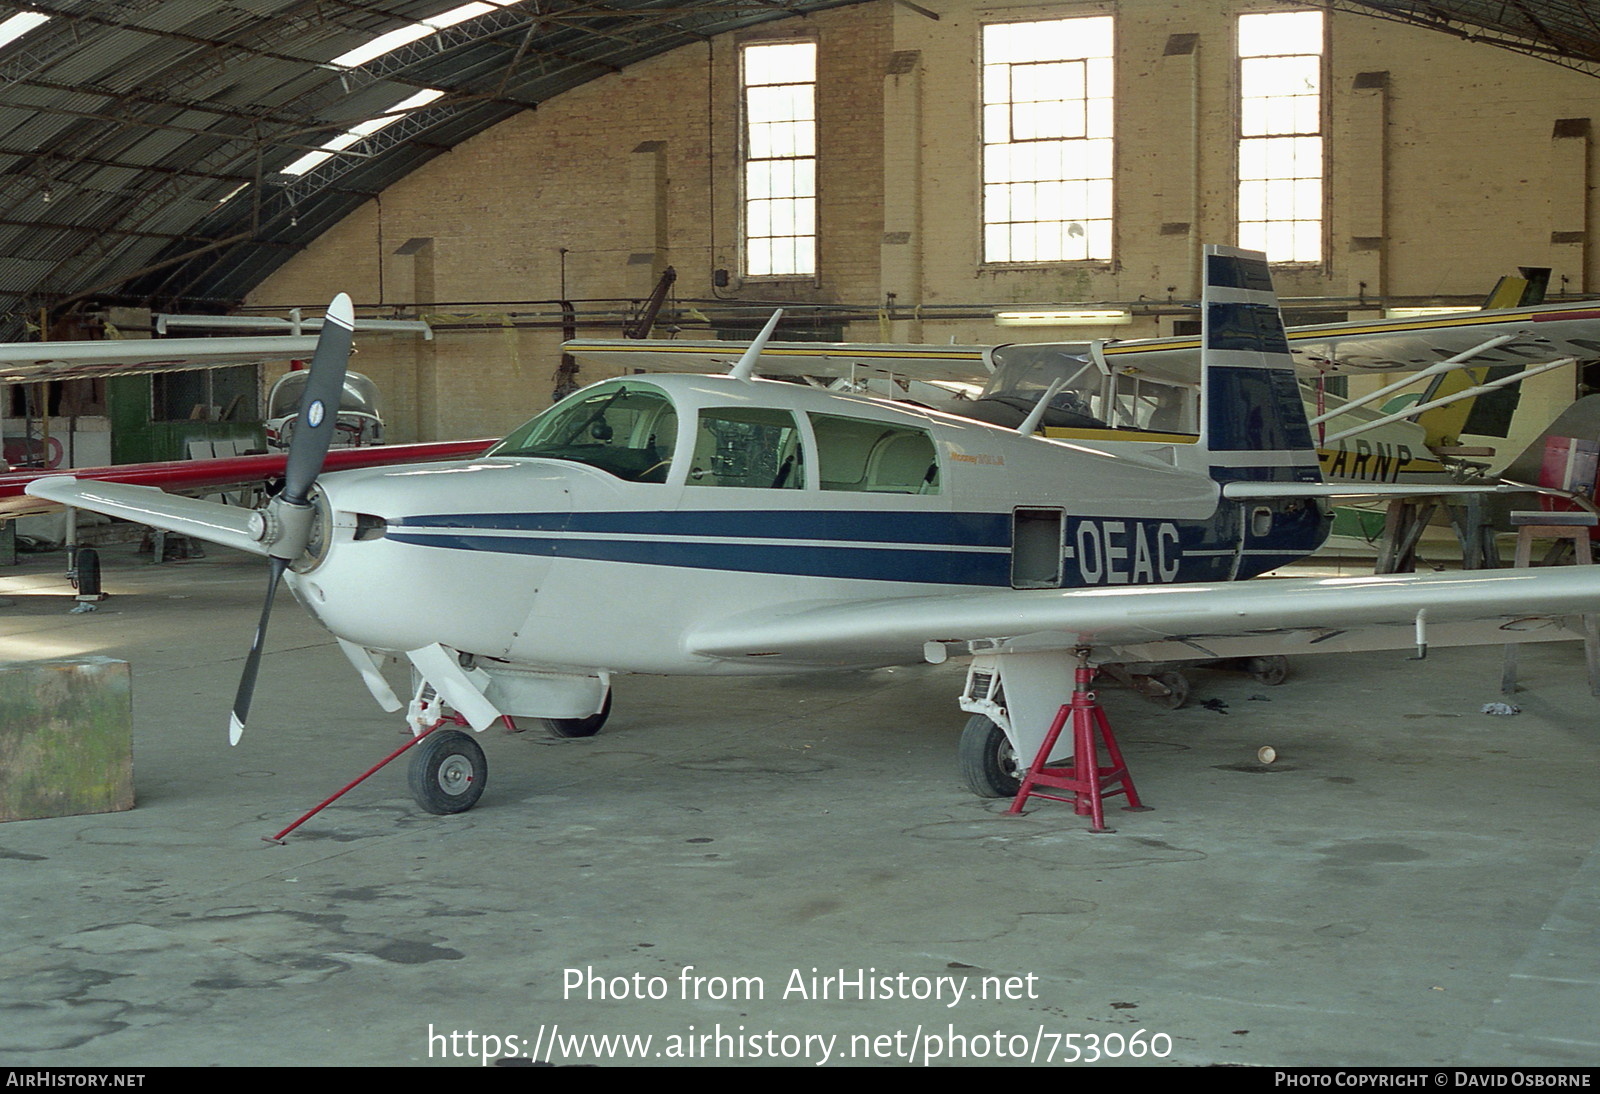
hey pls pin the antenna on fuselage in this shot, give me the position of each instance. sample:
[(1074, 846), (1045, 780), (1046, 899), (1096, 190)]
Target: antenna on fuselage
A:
[(745, 369)]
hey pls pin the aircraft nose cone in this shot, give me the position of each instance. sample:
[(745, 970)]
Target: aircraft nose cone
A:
[(412, 556)]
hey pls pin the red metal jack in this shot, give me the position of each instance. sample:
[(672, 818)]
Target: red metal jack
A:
[(1087, 783)]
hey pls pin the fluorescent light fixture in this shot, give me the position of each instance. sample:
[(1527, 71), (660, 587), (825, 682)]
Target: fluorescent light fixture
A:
[(1070, 317), (1423, 313), (20, 24), (360, 132)]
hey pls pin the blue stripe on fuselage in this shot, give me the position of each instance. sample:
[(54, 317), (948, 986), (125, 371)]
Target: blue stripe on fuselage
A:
[(953, 567), (898, 547), (933, 529)]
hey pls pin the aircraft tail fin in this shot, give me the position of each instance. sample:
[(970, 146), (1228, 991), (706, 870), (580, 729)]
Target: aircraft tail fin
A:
[(1525, 290), (1444, 424), (1252, 419)]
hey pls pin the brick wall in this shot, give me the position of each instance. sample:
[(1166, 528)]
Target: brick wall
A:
[(1450, 164)]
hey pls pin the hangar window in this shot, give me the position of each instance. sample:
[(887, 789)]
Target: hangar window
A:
[(1280, 135), (1047, 140), (747, 446), (780, 159), (624, 428), (875, 457)]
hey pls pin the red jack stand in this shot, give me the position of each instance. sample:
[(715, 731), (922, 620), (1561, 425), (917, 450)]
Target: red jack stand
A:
[(1089, 728)]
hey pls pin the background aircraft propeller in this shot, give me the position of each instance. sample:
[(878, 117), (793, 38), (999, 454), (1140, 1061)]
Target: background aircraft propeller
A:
[(286, 522)]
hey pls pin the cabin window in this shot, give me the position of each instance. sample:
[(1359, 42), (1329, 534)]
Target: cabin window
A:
[(1047, 140), (874, 457), (748, 446), (624, 428)]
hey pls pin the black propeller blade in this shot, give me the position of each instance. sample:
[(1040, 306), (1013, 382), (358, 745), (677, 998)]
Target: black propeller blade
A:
[(291, 511), (252, 663), (319, 405)]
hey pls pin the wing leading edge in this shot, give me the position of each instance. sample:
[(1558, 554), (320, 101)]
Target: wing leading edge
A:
[(1159, 622), (17, 499)]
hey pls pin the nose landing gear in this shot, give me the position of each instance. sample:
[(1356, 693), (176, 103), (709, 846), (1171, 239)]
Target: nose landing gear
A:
[(448, 772)]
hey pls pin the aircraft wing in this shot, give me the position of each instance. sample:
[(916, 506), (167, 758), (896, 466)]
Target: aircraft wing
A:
[(29, 362), (217, 474), (850, 360), (1537, 335), (1262, 617)]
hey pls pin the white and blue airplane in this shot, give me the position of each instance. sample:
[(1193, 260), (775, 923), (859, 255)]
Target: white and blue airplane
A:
[(732, 525)]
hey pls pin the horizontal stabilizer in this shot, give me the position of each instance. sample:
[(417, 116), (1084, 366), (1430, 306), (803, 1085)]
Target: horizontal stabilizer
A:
[(214, 522)]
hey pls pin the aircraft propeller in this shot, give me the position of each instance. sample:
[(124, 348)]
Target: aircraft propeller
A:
[(285, 524)]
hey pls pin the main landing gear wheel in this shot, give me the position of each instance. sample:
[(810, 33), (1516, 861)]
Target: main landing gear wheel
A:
[(1171, 691), (579, 727), (988, 762), (448, 772), (1271, 671)]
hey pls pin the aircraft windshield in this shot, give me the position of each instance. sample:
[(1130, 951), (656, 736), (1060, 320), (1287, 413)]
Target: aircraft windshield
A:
[(624, 428), (1089, 398), (360, 394)]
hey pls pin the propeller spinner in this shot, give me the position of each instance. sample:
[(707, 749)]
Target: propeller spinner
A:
[(284, 525)]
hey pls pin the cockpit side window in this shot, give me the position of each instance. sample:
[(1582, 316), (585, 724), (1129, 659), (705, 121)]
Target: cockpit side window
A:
[(747, 446), (875, 457), (625, 428)]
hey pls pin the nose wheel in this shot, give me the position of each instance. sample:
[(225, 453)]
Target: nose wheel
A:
[(448, 772)]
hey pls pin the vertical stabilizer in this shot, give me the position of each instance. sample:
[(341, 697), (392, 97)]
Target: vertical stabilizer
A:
[(1252, 419)]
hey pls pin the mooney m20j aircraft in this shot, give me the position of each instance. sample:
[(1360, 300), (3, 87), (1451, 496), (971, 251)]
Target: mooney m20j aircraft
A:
[(733, 525)]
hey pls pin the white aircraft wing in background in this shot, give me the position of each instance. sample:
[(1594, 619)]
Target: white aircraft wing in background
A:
[(848, 360), (31, 362)]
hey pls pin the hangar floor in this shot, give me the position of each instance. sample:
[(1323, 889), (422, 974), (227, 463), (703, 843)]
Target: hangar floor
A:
[(1412, 882)]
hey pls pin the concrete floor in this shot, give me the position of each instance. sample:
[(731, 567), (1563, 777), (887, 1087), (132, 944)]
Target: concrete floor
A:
[(1412, 882)]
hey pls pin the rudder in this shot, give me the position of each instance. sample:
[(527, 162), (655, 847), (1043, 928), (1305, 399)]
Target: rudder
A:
[(1252, 418)]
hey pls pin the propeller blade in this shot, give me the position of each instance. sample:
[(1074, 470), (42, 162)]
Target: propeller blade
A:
[(313, 432), (252, 663), (319, 405)]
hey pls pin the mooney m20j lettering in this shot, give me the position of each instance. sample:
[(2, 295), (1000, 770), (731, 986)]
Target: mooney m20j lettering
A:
[(734, 525)]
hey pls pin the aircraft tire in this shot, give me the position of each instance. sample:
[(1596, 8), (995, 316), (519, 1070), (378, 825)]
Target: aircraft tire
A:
[(579, 727), (1177, 685), (448, 772), (988, 763), (1271, 671)]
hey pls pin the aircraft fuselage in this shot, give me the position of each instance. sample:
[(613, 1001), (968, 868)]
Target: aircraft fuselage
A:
[(673, 501)]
